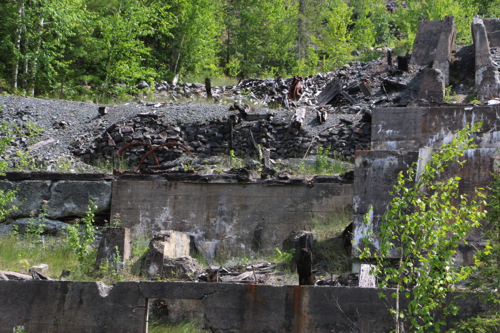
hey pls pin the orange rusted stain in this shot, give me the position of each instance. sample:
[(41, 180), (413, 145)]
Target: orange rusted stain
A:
[(299, 318)]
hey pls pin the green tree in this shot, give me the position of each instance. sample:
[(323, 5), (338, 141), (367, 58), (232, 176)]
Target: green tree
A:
[(426, 221), (333, 43), (484, 283)]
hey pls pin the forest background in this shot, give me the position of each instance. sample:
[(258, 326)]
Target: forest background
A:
[(74, 48)]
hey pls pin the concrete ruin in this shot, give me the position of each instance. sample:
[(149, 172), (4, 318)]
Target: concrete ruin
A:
[(81, 307), (234, 216), (397, 145)]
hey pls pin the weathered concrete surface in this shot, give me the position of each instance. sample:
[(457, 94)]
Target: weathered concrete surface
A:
[(238, 217), (493, 30), (375, 173), (418, 127), (111, 240), (57, 306), (487, 77), (432, 86), (63, 306)]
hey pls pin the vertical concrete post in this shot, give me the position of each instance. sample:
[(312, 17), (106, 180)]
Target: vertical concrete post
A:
[(487, 77)]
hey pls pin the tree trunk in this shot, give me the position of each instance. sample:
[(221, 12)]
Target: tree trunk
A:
[(17, 41), (35, 60), (300, 27)]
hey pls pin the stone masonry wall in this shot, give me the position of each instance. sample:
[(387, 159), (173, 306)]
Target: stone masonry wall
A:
[(212, 138)]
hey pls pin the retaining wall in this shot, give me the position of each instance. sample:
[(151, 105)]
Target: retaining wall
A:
[(60, 307), (234, 217)]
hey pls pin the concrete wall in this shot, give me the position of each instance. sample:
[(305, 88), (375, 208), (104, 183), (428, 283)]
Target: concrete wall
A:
[(418, 127), (55, 306), (63, 306), (235, 217)]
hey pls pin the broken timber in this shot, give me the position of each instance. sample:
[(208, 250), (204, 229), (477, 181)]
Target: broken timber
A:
[(331, 90)]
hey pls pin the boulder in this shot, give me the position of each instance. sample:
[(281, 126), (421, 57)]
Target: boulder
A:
[(181, 268), (50, 227), (71, 198), (29, 197), (165, 245), (432, 86)]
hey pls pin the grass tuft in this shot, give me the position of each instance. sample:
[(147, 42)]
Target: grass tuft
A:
[(329, 252)]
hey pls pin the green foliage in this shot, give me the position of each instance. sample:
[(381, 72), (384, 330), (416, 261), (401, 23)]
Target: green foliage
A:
[(80, 241), (235, 162), (448, 96), (426, 221), (487, 263), (284, 257), (334, 40)]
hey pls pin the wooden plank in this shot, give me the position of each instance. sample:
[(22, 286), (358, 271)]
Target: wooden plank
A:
[(331, 90), (349, 98)]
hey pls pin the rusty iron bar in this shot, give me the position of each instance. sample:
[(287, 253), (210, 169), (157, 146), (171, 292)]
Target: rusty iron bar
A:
[(164, 145), (122, 149)]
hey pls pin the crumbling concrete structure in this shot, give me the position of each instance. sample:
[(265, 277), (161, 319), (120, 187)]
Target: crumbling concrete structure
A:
[(487, 76), (402, 137), (433, 45)]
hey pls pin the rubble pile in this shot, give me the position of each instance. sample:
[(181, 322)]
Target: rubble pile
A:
[(385, 84)]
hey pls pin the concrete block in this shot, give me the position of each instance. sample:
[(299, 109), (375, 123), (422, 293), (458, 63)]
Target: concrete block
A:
[(375, 173), (78, 307), (168, 255), (434, 39), (41, 268), (493, 31), (177, 244), (111, 239), (71, 198), (432, 86), (397, 128), (487, 77)]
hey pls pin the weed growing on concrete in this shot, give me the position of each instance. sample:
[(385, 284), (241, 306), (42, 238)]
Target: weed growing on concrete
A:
[(80, 242), (112, 270)]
